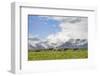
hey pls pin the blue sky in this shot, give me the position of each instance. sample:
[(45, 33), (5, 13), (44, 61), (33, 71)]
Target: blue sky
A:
[(42, 26)]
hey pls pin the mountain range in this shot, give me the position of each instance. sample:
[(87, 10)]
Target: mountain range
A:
[(36, 43)]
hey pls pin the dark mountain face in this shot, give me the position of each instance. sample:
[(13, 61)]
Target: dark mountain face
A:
[(75, 43), (35, 43)]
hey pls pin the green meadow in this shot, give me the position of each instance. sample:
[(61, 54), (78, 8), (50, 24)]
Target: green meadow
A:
[(53, 54)]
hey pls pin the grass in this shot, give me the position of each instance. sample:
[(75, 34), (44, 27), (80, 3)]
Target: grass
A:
[(51, 54)]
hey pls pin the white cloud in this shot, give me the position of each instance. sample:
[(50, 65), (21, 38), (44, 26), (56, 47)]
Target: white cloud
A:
[(31, 36), (76, 30), (71, 28)]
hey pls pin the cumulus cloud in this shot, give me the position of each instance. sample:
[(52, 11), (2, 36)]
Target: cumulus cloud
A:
[(71, 28)]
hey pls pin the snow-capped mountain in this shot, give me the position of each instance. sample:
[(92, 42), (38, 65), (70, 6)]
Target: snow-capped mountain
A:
[(75, 43), (35, 43)]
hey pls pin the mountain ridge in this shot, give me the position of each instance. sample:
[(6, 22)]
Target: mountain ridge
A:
[(35, 43)]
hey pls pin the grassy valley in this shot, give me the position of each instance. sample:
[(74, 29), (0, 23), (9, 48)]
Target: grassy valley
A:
[(50, 54)]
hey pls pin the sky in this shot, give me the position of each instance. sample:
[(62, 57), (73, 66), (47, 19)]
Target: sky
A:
[(58, 28), (42, 26)]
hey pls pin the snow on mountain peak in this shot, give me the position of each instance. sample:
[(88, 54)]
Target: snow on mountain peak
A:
[(35, 43)]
